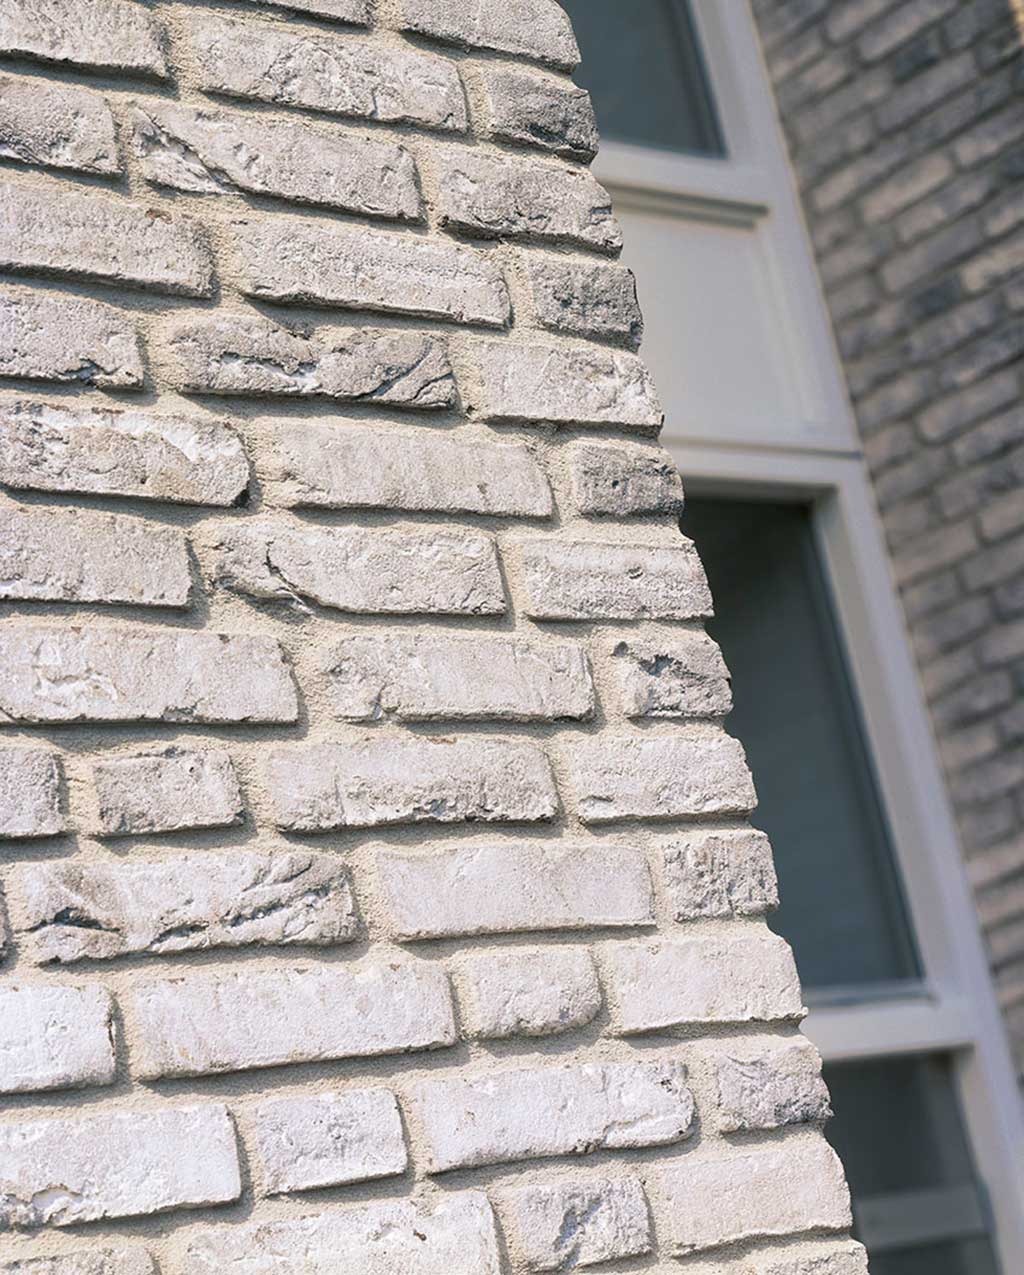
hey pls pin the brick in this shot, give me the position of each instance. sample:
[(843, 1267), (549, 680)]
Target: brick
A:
[(356, 12), (720, 874), (694, 771), (844, 1258), (750, 1195), (582, 1222), (204, 1024), (167, 790), (585, 299), (61, 1171), (70, 232), (245, 353), (563, 386), (290, 260), (361, 78), (680, 676), (29, 793), (524, 993), (599, 580), (327, 1139), (208, 151), (537, 29), (113, 35), (521, 198), (75, 555), (910, 184), (432, 677), (94, 1261), (769, 1088), (505, 889), (619, 480), (745, 976), (395, 780), (73, 911), (900, 25), (54, 1037), (331, 467), (138, 453), (531, 1113), (539, 110), (105, 674), (368, 570), (56, 126), (458, 1234), (44, 337)]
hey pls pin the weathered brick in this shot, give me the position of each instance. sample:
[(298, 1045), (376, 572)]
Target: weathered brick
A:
[(392, 780), (524, 993), (585, 298), (114, 35), (499, 198), (56, 126), (122, 675), (605, 580), (430, 677), (547, 1111), (167, 790), (65, 231), (245, 353), (563, 386), (747, 976), (54, 1037), (720, 874), (75, 555), (582, 1222), (539, 110), (208, 151), (534, 28), (362, 78), (44, 337), (504, 889), (328, 466), (328, 1139), (844, 1258), (621, 480), (94, 1261), (60, 1171), (357, 12), (290, 260), (694, 771), (72, 911), (363, 569), (29, 793), (679, 676), (769, 1088), (49, 447), (203, 1024)]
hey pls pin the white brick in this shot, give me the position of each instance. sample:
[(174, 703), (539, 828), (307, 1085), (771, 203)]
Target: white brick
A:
[(456, 1237), (204, 150), (339, 74), (112, 34), (679, 676), (72, 911), (745, 977), (770, 1191), (327, 1139), (555, 1110), (200, 1024), (539, 110), (594, 580), (534, 28), (82, 1168), (694, 771), (167, 790), (844, 1258), (502, 889), (383, 468), (355, 11), (582, 1222), (768, 1088), (522, 993), (392, 780), (425, 676), (94, 1261), (56, 125), (290, 260), (49, 447), (104, 674), (74, 555), (584, 298), (44, 337), (621, 480), (29, 793), (720, 874), (54, 1037)]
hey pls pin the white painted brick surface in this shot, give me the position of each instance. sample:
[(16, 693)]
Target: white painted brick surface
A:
[(115, 34), (768, 1088), (621, 480), (539, 110), (56, 126), (523, 993), (585, 299), (844, 1258), (534, 28), (355, 11), (582, 1222), (48, 338), (54, 1037), (720, 874), (29, 793), (97, 1261), (166, 790), (679, 676)]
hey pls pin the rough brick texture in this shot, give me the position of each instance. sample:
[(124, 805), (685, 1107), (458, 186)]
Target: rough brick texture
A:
[(377, 894)]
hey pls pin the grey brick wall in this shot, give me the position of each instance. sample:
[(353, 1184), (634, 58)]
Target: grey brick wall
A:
[(905, 123)]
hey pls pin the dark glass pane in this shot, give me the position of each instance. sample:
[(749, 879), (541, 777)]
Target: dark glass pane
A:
[(842, 907), (643, 67)]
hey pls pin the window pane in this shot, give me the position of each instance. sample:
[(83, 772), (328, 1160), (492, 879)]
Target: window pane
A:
[(643, 67), (795, 712)]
